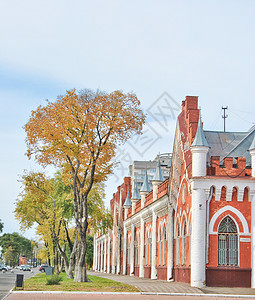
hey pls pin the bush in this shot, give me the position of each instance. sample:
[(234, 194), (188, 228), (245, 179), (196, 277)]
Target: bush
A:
[(53, 279)]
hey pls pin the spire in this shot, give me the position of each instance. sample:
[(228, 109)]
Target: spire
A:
[(158, 175), (127, 203), (252, 146), (145, 187), (200, 139), (136, 195)]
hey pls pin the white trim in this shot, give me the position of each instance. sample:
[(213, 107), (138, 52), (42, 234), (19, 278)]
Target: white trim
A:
[(236, 212)]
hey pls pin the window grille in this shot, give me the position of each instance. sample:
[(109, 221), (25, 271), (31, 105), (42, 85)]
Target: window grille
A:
[(184, 245), (227, 243), (164, 246), (178, 246)]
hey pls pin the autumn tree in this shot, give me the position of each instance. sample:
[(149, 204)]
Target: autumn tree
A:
[(13, 245), (80, 132), (1, 226), (47, 203)]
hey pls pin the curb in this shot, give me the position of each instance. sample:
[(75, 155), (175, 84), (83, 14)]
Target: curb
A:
[(127, 293)]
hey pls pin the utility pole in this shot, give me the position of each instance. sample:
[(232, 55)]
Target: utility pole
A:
[(224, 116)]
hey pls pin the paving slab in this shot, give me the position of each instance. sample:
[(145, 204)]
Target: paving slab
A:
[(163, 286)]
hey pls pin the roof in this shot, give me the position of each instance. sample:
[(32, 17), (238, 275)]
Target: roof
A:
[(127, 203), (158, 175), (200, 139), (145, 187), (136, 194), (231, 144)]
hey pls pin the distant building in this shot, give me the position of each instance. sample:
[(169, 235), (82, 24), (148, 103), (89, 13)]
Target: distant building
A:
[(22, 260), (138, 168)]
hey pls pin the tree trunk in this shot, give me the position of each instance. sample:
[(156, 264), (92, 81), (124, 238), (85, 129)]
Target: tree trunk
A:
[(80, 273)]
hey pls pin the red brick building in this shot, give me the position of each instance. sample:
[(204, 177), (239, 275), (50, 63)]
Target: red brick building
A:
[(196, 226)]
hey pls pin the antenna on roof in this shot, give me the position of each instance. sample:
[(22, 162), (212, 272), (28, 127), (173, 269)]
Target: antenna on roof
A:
[(224, 116)]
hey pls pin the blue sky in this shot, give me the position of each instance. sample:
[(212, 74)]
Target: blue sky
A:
[(189, 47)]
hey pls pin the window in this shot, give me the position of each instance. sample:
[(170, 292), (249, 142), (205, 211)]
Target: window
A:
[(178, 246), (164, 246), (148, 249), (137, 249), (128, 251), (159, 247), (184, 243), (227, 243)]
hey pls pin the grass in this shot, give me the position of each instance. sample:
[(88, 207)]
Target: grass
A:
[(97, 284)]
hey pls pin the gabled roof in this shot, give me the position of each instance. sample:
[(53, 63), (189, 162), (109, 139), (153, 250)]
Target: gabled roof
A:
[(145, 187), (127, 203), (231, 144), (200, 139), (252, 146), (136, 194), (158, 175)]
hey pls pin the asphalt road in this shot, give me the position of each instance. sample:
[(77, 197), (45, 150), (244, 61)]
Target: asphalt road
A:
[(7, 280)]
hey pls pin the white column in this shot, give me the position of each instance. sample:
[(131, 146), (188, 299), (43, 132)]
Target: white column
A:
[(102, 256), (170, 250), (109, 254), (143, 194), (198, 238), (125, 251), (141, 262), (252, 153), (132, 251), (253, 241), (155, 185), (133, 206), (154, 247), (95, 254), (98, 255), (105, 252), (199, 155), (113, 251), (118, 254)]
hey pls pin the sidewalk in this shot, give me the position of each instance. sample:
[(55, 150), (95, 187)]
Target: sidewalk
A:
[(149, 285), (163, 286)]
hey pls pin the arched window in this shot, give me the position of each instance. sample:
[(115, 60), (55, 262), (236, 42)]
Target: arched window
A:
[(148, 248), (184, 244), (178, 246), (159, 246), (164, 246), (128, 250), (227, 243), (137, 247)]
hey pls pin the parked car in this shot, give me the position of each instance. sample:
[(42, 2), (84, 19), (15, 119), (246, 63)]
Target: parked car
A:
[(26, 268), (42, 268), (3, 268), (21, 267)]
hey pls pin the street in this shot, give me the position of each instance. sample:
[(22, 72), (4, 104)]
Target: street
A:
[(7, 280)]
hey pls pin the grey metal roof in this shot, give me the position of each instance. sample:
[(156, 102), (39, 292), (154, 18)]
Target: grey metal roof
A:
[(136, 194), (158, 175), (252, 146), (127, 203), (230, 144), (200, 139), (145, 187)]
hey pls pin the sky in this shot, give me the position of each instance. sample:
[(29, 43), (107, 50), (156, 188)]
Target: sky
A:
[(161, 50)]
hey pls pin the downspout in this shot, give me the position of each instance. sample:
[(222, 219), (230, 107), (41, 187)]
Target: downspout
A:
[(207, 222)]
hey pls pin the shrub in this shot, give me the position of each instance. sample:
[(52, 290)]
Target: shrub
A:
[(53, 279)]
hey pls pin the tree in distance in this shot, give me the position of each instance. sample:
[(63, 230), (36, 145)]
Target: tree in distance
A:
[(79, 133)]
